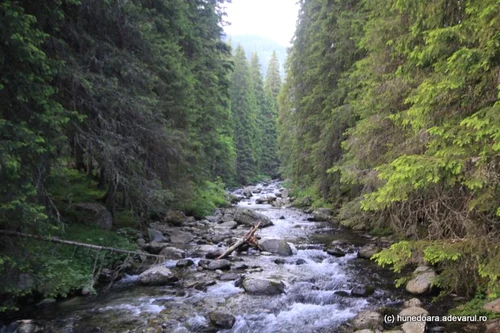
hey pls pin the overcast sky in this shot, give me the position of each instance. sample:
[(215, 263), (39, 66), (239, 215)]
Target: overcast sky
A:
[(273, 19)]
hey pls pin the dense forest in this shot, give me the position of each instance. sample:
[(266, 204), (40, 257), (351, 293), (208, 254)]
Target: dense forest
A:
[(390, 113), (262, 46), (135, 106)]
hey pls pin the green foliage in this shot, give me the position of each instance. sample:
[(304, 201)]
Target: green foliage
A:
[(68, 186), (56, 270), (245, 109), (208, 196), (123, 103), (475, 307)]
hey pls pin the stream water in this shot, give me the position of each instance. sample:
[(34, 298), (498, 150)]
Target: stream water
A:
[(317, 297)]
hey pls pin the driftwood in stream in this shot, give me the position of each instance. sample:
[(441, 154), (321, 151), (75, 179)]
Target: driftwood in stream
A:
[(67, 242), (249, 239)]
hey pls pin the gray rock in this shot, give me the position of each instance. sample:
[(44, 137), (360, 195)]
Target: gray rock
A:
[(277, 246), (95, 215), (172, 253), (222, 264), (222, 319), (414, 327), (229, 277), (156, 236), (28, 326), (422, 282), (46, 302), (174, 217), (240, 266), (213, 219), (157, 276), (322, 214), (251, 218), (367, 320), (180, 237), (412, 302), (413, 311), (184, 263), (217, 238), (493, 306), (362, 291), (263, 287), (366, 331), (247, 192), (336, 252), (213, 254), (368, 251), (227, 225), (300, 261)]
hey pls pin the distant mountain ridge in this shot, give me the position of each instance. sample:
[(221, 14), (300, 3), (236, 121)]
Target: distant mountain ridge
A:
[(264, 48)]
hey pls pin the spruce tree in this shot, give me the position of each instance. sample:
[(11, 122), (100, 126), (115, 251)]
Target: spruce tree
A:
[(244, 110)]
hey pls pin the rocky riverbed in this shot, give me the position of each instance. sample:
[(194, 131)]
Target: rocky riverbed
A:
[(311, 276)]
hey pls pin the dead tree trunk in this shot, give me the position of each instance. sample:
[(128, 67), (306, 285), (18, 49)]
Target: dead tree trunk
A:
[(249, 238), (67, 242)]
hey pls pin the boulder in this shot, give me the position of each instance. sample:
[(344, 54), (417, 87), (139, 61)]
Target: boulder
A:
[(368, 251), (322, 214), (95, 215), (336, 252), (251, 218), (222, 319), (174, 217), (156, 236), (213, 254), (222, 264), (184, 263), (157, 276), (412, 302), (172, 253), (276, 246), (219, 237), (367, 320), (247, 192), (362, 291), (260, 201), (179, 236), (365, 331), (492, 326), (28, 326), (300, 261), (227, 225), (263, 287), (414, 327), (422, 282), (413, 311), (229, 277), (493, 306)]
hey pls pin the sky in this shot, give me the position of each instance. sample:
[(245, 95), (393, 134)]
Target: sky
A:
[(273, 19)]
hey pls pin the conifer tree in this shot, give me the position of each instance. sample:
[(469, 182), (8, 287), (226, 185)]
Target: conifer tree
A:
[(244, 110)]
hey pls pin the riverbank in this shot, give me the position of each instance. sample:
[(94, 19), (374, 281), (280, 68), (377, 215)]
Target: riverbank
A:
[(310, 278)]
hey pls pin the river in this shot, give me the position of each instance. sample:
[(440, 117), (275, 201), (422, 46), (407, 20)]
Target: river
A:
[(317, 294)]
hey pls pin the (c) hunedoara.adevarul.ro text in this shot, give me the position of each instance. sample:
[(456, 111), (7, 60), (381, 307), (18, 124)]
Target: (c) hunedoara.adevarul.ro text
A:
[(390, 319)]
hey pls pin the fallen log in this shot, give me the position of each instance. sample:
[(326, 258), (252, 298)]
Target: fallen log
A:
[(249, 239), (67, 242)]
